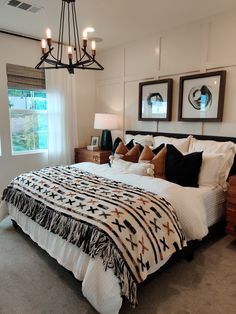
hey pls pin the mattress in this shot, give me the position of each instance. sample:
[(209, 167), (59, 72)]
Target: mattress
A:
[(214, 199)]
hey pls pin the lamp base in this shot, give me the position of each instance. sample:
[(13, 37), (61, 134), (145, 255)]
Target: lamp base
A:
[(106, 140)]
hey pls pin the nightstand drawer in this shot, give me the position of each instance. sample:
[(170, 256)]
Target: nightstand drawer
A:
[(96, 156)]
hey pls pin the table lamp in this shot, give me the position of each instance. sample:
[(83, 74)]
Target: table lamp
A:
[(106, 122)]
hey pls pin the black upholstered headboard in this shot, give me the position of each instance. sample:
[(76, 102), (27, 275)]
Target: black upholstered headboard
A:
[(200, 137)]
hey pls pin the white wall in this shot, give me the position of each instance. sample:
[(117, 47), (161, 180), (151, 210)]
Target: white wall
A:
[(26, 52), (198, 47), (86, 106)]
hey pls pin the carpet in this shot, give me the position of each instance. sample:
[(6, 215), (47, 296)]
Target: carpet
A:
[(31, 282)]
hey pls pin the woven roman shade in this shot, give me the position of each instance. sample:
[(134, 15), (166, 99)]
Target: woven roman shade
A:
[(21, 77)]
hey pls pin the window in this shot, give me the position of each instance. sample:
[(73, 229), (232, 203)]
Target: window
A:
[(28, 114), (27, 101)]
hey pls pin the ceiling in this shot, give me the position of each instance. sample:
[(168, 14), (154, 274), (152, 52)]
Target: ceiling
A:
[(115, 21)]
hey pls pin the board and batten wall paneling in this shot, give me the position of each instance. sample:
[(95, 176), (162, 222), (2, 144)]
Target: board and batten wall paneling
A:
[(86, 106), (109, 99), (181, 50), (113, 63), (228, 126), (109, 88), (131, 110), (142, 59), (198, 47), (222, 43)]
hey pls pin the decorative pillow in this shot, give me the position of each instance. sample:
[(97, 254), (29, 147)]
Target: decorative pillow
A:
[(139, 139), (182, 144), (130, 167), (227, 148), (158, 160), (115, 144), (211, 169), (133, 154), (182, 169), (148, 154), (121, 149), (159, 163)]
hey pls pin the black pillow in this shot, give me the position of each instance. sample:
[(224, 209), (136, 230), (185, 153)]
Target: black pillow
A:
[(158, 149), (182, 169), (130, 145), (115, 144)]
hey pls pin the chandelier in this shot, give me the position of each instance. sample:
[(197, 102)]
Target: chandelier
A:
[(77, 56)]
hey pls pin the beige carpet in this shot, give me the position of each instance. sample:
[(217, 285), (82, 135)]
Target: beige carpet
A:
[(31, 282)]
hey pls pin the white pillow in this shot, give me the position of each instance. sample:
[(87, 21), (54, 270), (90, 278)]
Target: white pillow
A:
[(211, 171), (211, 146), (182, 144), (141, 169), (139, 139), (207, 146)]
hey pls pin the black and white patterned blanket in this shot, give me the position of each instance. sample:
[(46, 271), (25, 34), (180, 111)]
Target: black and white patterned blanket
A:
[(129, 228)]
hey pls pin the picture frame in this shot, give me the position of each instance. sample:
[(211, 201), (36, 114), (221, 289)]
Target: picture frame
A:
[(94, 140), (201, 97), (155, 100)]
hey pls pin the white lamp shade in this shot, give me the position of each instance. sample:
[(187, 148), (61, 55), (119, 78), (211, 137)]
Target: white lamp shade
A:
[(106, 121)]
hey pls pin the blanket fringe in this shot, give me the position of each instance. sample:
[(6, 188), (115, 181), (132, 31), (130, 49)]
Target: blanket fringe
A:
[(89, 238)]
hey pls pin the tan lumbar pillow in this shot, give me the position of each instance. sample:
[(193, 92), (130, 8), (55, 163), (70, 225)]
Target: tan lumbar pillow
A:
[(159, 163), (133, 154)]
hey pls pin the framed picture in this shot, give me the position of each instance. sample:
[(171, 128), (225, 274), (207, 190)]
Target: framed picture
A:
[(155, 100), (201, 97), (94, 140)]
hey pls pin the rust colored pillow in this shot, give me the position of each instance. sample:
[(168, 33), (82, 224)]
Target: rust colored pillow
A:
[(121, 149), (133, 154), (159, 162), (146, 154)]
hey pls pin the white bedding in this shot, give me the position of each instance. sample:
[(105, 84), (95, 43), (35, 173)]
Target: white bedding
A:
[(99, 287), (214, 203)]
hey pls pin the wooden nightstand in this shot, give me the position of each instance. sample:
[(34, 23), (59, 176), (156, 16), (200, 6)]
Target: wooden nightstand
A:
[(96, 156), (231, 207)]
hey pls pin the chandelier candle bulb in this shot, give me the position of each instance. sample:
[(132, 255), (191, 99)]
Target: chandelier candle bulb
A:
[(49, 36), (85, 34), (43, 45), (93, 46), (85, 38), (70, 52)]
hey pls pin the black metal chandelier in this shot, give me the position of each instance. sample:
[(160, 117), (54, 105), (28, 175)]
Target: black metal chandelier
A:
[(78, 57)]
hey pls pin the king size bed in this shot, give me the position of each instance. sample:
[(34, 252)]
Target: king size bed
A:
[(112, 227)]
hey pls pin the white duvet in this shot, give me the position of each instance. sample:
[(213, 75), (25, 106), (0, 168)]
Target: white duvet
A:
[(99, 287)]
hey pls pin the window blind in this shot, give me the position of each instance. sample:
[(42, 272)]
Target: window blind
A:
[(22, 77)]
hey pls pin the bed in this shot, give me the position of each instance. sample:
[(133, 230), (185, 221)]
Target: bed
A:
[(99, 262)]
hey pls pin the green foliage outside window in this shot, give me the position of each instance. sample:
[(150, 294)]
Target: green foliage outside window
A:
[(28, 112)]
